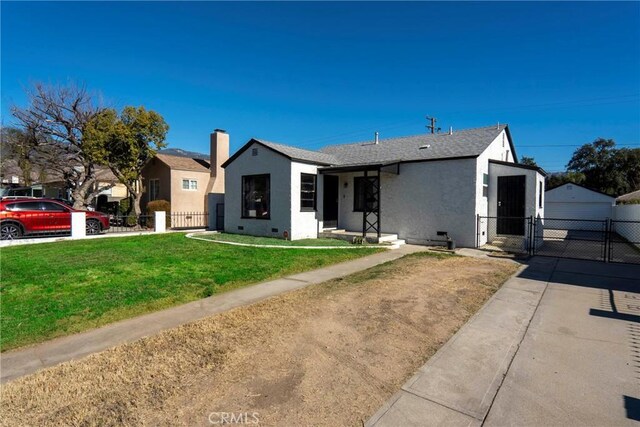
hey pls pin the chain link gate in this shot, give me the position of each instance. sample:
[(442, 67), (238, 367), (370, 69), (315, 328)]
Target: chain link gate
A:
[(597, 240)]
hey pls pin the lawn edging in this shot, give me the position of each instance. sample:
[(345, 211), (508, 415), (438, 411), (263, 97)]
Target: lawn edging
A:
[(251, 245)]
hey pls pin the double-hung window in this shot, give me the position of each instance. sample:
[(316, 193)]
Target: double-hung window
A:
[(189, 184), (256, 196), (307, 192)]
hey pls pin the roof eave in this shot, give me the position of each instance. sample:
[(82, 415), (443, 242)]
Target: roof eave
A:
[(519, 166), (252, 141)]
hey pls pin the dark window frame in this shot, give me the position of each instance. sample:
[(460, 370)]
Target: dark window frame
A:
[(314, 208), (359, 201), (268, 196), (154, 192), (540, 201)]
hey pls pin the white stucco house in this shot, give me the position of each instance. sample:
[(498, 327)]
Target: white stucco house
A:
[(415, 188), (576, 202)]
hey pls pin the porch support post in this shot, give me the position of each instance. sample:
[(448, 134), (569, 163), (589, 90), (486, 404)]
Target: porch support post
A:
[(364, 208), (379, 201)]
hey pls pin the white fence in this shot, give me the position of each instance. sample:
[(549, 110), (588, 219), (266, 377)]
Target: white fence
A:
[(631, 232)]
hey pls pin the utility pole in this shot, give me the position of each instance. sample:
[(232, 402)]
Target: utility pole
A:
[(432, 127)]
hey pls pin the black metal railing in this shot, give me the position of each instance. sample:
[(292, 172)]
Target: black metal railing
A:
[(130, 223), (187, 220)]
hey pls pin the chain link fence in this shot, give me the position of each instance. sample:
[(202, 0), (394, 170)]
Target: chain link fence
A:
[(598, 240), (624, 242)]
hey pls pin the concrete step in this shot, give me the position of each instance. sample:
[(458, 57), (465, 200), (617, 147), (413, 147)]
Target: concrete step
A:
[(350, 235), (388, 238)]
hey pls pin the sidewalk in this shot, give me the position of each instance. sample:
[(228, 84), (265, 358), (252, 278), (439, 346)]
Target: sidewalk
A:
[(14, 364), (554, 346)]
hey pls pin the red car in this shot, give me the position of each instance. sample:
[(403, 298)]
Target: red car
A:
[(29, 216)]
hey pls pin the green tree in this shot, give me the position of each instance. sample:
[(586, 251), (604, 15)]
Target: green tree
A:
[(125, 143), (529, 161), (606, 168)]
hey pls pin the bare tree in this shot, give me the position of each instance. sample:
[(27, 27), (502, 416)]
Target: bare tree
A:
[(16, 153), (57, 117)]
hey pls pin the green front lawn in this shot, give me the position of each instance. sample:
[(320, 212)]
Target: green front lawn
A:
[(54, 289)]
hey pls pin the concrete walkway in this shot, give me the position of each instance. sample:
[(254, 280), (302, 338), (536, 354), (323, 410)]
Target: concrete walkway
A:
[(558, 344), (14, 364)]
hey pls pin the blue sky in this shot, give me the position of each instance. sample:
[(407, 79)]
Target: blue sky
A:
[(312, 74)]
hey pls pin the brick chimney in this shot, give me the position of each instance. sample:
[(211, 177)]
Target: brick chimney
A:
[(219, 151)]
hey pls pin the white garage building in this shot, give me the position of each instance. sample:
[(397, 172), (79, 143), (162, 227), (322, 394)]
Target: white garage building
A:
[(574, 201)]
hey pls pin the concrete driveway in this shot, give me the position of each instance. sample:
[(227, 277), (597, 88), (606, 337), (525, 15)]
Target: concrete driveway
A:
[(558, 345)]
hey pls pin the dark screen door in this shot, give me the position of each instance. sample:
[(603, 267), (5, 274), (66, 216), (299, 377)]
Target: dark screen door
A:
[(330, 201), (511, 200)]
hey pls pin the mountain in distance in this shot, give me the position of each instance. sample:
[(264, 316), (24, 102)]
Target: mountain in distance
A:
[(184, 153)]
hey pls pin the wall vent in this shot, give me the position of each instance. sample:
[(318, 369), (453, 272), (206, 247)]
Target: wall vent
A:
[(274, 230), (254, 151), (240, 227)]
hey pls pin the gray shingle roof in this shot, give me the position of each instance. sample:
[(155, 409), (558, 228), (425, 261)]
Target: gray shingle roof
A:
[(463, 143), (300, 154)]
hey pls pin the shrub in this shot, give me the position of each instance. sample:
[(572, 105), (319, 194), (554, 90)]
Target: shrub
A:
[(158, 206)]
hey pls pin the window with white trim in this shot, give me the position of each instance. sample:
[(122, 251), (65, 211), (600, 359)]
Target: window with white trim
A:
[(189, 184)]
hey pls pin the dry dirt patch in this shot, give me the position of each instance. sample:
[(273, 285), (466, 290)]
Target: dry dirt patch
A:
[(328, 354)]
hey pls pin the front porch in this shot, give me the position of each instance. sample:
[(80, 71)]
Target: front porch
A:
[(349, 236), (351, 202)]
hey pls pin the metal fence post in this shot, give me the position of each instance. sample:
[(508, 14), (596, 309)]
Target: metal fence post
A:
[(607, 240), (534, 225), (530, 240), (477, 231)]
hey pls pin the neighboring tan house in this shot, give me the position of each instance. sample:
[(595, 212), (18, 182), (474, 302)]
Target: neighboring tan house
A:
[(186, 182), (573, 201), (415, 188)]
